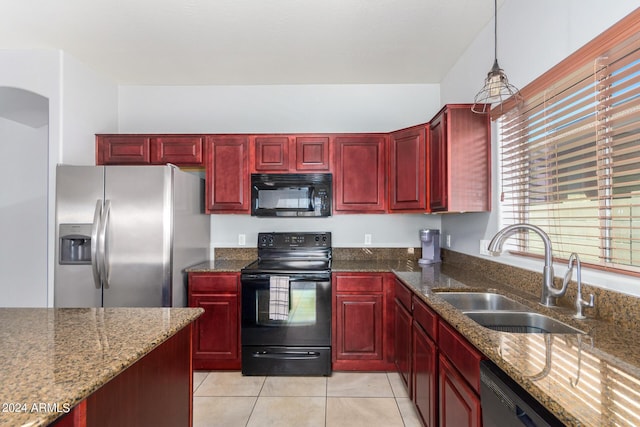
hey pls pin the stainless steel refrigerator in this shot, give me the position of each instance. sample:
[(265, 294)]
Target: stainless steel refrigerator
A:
[(125, 234)]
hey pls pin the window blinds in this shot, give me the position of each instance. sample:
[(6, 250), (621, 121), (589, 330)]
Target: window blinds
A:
[(570, 160)]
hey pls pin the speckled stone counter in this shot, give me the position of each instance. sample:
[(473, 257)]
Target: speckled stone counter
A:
[(51, 359), (585, 380)]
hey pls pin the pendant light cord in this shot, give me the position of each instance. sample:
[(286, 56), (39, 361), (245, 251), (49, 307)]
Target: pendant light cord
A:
[(495, 30)]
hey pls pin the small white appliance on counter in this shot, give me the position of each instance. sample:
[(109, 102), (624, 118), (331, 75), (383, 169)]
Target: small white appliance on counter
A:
[(430, 246), (125, 234)]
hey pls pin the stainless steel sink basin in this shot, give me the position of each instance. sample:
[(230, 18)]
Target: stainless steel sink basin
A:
[(476, 301), (521, 322)]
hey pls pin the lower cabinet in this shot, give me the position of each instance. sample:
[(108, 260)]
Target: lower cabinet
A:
[(442, 372), (216, 337), (424, 384), (362, 321)]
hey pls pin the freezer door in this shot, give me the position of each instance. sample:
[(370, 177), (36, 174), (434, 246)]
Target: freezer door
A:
[(79, 194), (138, 234)]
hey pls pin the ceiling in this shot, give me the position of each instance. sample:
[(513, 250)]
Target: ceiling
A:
[(246, 42)]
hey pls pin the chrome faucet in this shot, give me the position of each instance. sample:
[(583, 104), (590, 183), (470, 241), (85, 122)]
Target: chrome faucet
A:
[(580, 303), (549, 292)]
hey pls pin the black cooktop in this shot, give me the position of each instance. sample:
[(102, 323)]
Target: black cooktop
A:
[(292, 253)]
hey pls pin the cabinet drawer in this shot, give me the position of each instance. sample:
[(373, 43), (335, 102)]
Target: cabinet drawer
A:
[(425, 317), (217, 283), (359, 283), (404, 294), (462, 355)]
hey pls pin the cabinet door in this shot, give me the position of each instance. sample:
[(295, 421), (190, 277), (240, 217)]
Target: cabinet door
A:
[(459, 405), (360, 173), (312, 153), (425, 376), (359, 327), (123, 150), (216, 332), (216, 336), (437, 166), (177, 149), (271, 153), (227, 174), (407, 174), (403, 343)]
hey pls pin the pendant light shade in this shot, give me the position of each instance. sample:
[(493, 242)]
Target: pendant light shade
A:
[(497, 88)]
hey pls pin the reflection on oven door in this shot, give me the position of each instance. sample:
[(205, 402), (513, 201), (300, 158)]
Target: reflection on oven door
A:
[(302, 306)]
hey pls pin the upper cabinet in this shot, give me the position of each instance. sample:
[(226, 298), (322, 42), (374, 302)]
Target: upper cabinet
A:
[(407, 169), (459, 160), (227, 174), (290, 153), (271, 153), (181, 150), (440, 166), (312, 153), (360, 173)]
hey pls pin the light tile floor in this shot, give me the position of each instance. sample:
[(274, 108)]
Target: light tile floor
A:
[(344, 399)]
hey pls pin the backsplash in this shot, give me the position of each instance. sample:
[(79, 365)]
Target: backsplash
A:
[(612, 307), (364, 254)]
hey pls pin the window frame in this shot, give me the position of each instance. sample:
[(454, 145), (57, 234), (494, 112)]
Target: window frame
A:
[(615, 36)]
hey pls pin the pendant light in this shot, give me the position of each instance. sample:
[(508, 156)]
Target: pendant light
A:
[(497, 88)]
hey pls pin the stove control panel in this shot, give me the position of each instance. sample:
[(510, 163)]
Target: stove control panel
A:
[(294, 240)]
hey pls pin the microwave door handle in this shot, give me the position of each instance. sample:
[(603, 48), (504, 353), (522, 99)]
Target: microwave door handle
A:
[(312, 203)]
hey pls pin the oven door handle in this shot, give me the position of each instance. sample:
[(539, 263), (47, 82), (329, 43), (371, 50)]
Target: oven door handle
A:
[(289, 355)]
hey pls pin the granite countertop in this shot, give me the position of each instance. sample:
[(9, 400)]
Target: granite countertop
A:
[(53, 358), (585, 380)]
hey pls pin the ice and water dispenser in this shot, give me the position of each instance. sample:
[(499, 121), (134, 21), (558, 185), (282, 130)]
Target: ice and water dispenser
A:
[(75, 243), (430, 246)]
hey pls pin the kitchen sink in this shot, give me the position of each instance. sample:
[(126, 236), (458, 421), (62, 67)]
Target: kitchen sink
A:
[(476, 301), (520, 322)]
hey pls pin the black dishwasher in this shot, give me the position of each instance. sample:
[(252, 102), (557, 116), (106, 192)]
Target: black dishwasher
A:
[(505, 403)]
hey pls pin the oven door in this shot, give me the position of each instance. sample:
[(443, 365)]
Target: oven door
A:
[(307, 321)]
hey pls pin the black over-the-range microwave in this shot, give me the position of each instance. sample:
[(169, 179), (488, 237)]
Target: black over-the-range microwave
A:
[(291, 195)]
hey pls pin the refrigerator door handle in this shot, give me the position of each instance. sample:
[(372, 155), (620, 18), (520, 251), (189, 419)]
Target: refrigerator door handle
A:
[(104, 246), (95, 262)]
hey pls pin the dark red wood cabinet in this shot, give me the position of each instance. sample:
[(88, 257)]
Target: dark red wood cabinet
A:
[(402, 333), (424, 384), (439, 367), (290, 153), (180, 150), (459, 160), (312, 153), (227, 174), (459, 405), (360, 173), (123, 150), (362, 322), (271, 153), (216, 337), (407, 169)]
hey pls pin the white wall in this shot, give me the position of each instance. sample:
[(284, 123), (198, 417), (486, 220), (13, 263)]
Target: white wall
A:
[(81, 103), (90, 106), (275, 108), (289, 108), (23, 215), (533, 36), (389, 231)]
